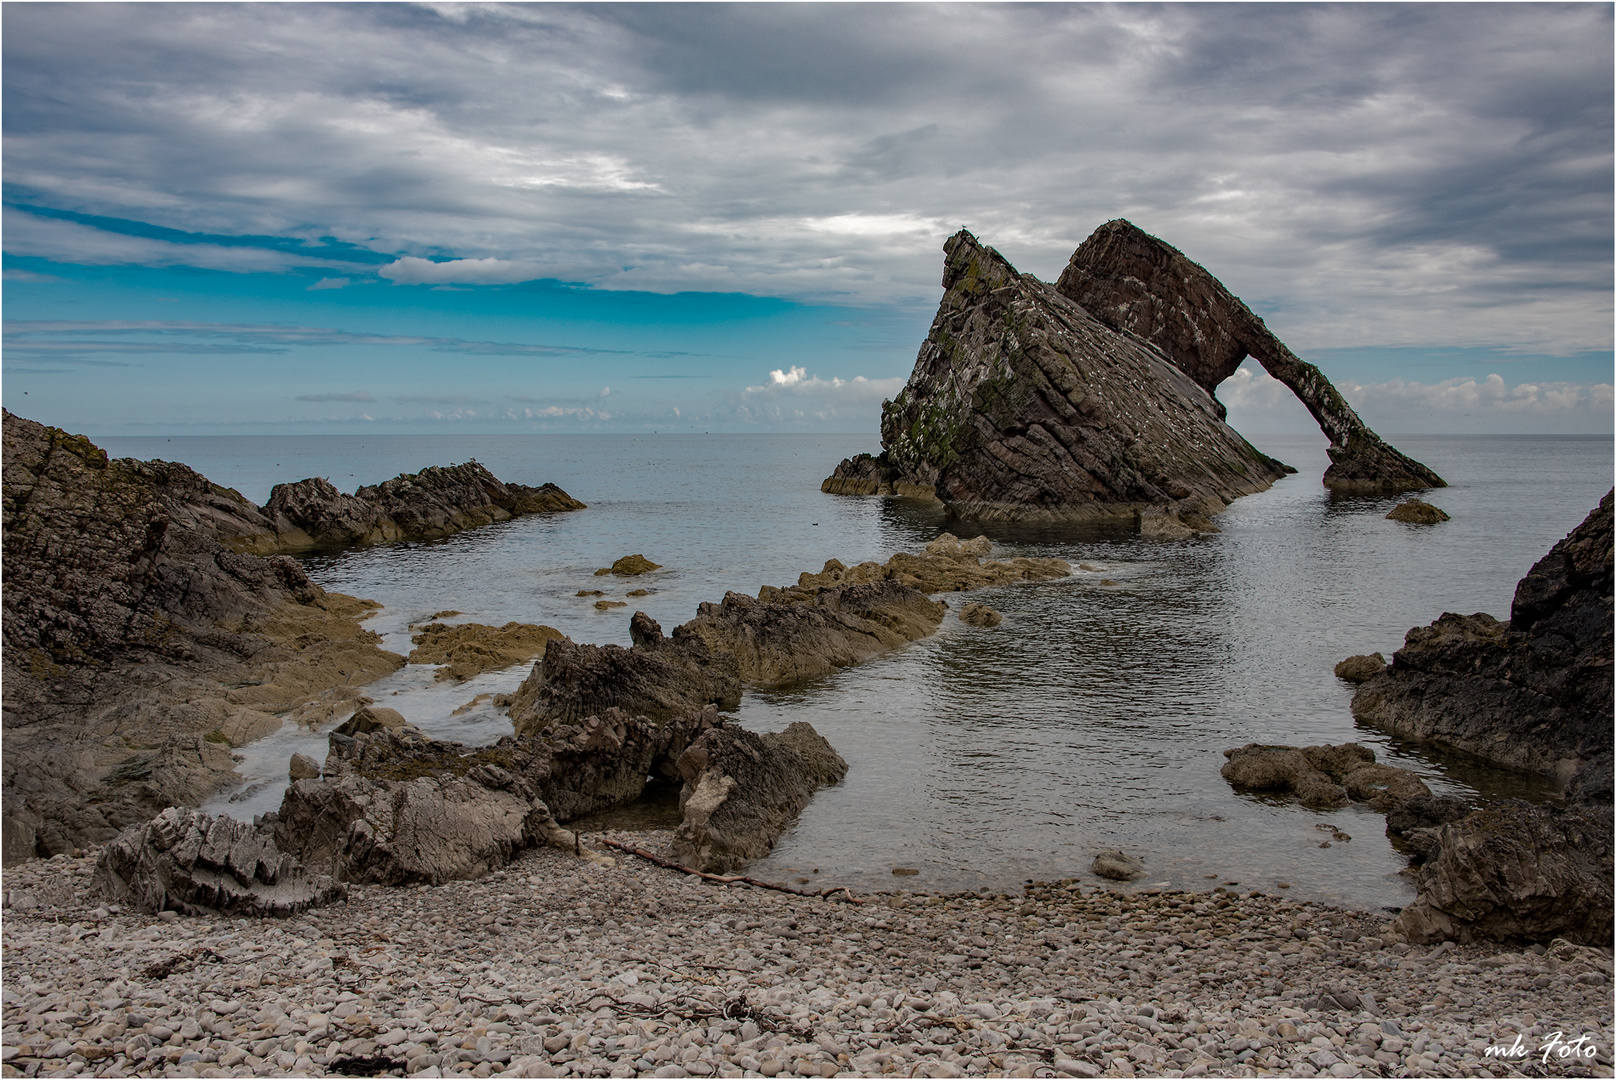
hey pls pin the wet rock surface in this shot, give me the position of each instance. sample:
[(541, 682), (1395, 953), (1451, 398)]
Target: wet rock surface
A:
[(1133, 282), (1357, 669), (468, 649), (1322, 777), (1415, 512), (555, 966), (433, 503), (980, 615), (1023, 406), (1533, 693), (184, 860), (658, 677), (143, 640)]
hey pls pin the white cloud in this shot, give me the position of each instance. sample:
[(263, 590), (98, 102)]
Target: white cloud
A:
[(413, 271), (329, 283), (793, 397)]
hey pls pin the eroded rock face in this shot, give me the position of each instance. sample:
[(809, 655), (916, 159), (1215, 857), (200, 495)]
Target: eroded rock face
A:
[(1133, 282), (1023, 406), (743, 789), (657, 677), (435, 502), (184, 860), (142, 639), (1513, 871), (1533, 693)]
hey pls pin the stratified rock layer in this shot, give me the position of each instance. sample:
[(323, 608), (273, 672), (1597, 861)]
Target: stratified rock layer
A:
[(1023, 406), (1533, 693), (141, 644), (435, 502), (1133, 282), (184, 860)]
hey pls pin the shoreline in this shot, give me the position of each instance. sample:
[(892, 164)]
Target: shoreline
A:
[(558, 966)]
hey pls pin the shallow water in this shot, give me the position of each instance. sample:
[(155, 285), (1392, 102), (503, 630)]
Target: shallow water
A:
[(1095, 716)]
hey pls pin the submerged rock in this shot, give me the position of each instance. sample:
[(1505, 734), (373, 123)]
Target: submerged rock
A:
[(980, 615), (1322, 777), (143, 639), (183, 860), (629, 566), (743, 789), (1533, 693), (657, 677), (1415, 512), (1134, 283), (435, 502), (1117, 865), (1024, 406), (468, 649)]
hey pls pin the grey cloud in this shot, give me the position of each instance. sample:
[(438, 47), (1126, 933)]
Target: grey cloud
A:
[(357, 395), (1318, 158)]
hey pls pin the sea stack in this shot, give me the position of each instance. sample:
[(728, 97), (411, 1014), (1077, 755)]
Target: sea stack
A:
[(1024, 407), (1135, 283)]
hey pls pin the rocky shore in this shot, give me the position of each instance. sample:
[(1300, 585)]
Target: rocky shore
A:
[(557, 966)]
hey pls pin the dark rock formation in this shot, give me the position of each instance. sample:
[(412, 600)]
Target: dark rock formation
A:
[(396, 807), (1412, 825), (1023, 406), (1415, 512), (183, 860), (433, 503), (1533, 693), (141, 642), (743, 789), (1133, 282), (1323, 776), (1517, 872), (864, 474), (804, 632), (657, 677)]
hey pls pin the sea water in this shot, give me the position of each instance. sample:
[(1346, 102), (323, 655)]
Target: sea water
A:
[(1094, 717)]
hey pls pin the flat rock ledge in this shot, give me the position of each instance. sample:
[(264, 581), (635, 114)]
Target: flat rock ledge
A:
[(555, 966), (183, 860)]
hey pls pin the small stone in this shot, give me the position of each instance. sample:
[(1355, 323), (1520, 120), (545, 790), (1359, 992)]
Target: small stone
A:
[(1415, 512), (303, 767)]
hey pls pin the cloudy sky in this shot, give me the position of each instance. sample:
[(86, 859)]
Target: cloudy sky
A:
[(447, 217)]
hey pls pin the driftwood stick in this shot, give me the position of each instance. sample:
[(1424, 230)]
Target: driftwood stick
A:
[(727, 879)]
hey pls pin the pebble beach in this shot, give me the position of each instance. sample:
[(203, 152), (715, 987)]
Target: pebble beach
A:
[(559, 966)]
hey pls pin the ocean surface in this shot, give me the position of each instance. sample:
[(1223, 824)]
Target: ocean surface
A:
[(1094, 717)]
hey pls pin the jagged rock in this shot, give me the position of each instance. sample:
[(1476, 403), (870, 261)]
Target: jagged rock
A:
[(303, 767), (1023, 406), (1514, 871), (1533, 693), (980, 615), (863, 474), (1322, 776), (1414, 823), (1415, 512), (435, 502), (137, 622), (629, 566), (743, 789), (183, 860), (1133, 282), (1357, 669), (468, 649), (800, 635), (397, 807), (1117, 865), (657, 677)]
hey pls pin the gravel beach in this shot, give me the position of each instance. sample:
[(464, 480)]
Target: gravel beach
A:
[(557, 966)]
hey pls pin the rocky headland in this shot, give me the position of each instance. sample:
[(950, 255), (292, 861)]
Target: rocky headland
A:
[(1532, 694), (1023, 406), (151, 623)]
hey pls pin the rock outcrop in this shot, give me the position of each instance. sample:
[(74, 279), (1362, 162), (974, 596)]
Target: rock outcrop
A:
[(657, 677), (1516, 872), (1135, 283), (1533, 693), (396, 807), (467, 649), (1416, 512), (1357, 669), (141, 642), (183, 860), (741, 791), (1023, 406), (1323, 777), (433, 503)]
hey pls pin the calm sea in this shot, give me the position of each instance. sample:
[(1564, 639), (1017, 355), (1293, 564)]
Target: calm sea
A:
[(1094, 717)]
